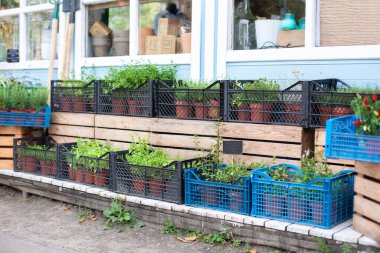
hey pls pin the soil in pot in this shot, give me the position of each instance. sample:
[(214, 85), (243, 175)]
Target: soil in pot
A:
[(260, 113), (119, 106), (155, 187), (214, 110), (243, 112), (100, 178), (79, 104), (89, 177), (182, 109), (201, 111), (293, 113), (79, 175)]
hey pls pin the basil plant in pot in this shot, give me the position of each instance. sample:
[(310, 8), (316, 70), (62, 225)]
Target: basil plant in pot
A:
[(88, 162)]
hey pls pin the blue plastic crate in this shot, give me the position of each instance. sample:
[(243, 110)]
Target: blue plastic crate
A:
[(234, 197), (40, 118), (342, 142), (320, 202)]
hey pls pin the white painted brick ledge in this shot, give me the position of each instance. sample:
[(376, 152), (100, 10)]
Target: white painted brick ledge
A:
[(342, 232)]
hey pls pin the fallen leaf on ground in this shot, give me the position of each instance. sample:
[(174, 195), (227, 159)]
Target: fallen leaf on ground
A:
[(81, 221), (65, 208), (252, 250), (93, 218), (187, 239)]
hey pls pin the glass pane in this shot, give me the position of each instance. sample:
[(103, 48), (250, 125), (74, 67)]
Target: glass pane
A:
[(9, 35), (165, 28), (108, 29), (34, 2), (9, 4), (38, 35), (259, 24)]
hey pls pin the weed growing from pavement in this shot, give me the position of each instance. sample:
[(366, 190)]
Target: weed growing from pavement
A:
[(324, 248), (83, 213), (120, 215)]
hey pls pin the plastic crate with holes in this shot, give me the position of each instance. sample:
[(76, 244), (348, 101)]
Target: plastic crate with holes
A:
[(342, 141), (38, 118), (74, 96), (319, 202), (329, 98), (172, 101), (36, 156), (126, 101), (162, 183), (263, 101), (235, 197)]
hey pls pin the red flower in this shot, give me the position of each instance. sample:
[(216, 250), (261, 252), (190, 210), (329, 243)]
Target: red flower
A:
[(374, 98), (368, 107), (365, 101), (357, 123)]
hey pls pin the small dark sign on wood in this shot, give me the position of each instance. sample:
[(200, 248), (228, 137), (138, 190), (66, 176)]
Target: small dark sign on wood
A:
[(233, 147), (13, 55)]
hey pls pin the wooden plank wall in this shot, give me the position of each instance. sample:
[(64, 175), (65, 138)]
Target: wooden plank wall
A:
[(367, 199), (182, 138), (6, 143), (349, 22), (335, 164)]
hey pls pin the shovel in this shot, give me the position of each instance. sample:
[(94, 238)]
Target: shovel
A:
[(69, 6), (53, 43)]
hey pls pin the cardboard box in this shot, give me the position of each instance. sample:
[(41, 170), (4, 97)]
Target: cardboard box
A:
[(164, 44), (292, 38), (168, 26), (100, 29)]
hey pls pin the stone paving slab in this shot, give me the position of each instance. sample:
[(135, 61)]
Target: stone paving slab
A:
[(342, 232)]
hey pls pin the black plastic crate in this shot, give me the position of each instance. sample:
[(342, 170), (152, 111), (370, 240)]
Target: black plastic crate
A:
[(39, 161), (83, 169), (186, 103), (285, 107), (73, 96), (327, 100), (122, 101), (150, 182)]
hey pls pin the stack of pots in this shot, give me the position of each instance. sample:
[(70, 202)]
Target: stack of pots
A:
[(120, 42), (101, 45)]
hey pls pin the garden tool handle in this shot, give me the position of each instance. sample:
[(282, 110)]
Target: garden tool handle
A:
[(69, 50), (63, 61)]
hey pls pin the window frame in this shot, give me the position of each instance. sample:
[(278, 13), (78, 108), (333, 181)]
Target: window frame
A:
[(311, 51), (21, 12), (192, 59)]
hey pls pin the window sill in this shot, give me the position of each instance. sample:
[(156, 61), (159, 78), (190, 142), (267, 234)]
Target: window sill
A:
[(40, 64), (305, 54), (121, 60)]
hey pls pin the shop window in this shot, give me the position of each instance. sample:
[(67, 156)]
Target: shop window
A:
[(165, 27), (262, 24), (9, 4), (9, 35), (38, 35)]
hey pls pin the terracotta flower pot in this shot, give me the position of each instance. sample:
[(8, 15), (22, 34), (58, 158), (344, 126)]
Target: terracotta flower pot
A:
[(89, 177), (29, 164), (316, 212), (138, 185), (119, 106), (372, 147), (182, 109), (79, 175), (134, 107), (45, 167), (155, 187), (214, 110), (201, 111), (209, 196), (327, 113), (53, 168), (236, 200), (243, 113), (65, 104), (260, 113), (274, 205), (79, 104), (298, 209), (72, 173), (293, 112), (100, 178)]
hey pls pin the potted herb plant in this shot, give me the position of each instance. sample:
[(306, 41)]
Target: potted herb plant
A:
[(46, 158), (261, 96), (28, 160)]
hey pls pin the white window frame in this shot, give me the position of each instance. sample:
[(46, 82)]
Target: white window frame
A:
[(192, 58), (311, 51), (22, 11)]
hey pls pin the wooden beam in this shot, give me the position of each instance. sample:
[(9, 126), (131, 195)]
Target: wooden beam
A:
[(368, 169), (74, 131), (367, 188), (76, 119), (367, 227), (367, 208)]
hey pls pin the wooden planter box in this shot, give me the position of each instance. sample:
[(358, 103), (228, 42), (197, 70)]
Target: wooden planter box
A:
[(7, 134), (367, 199)]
